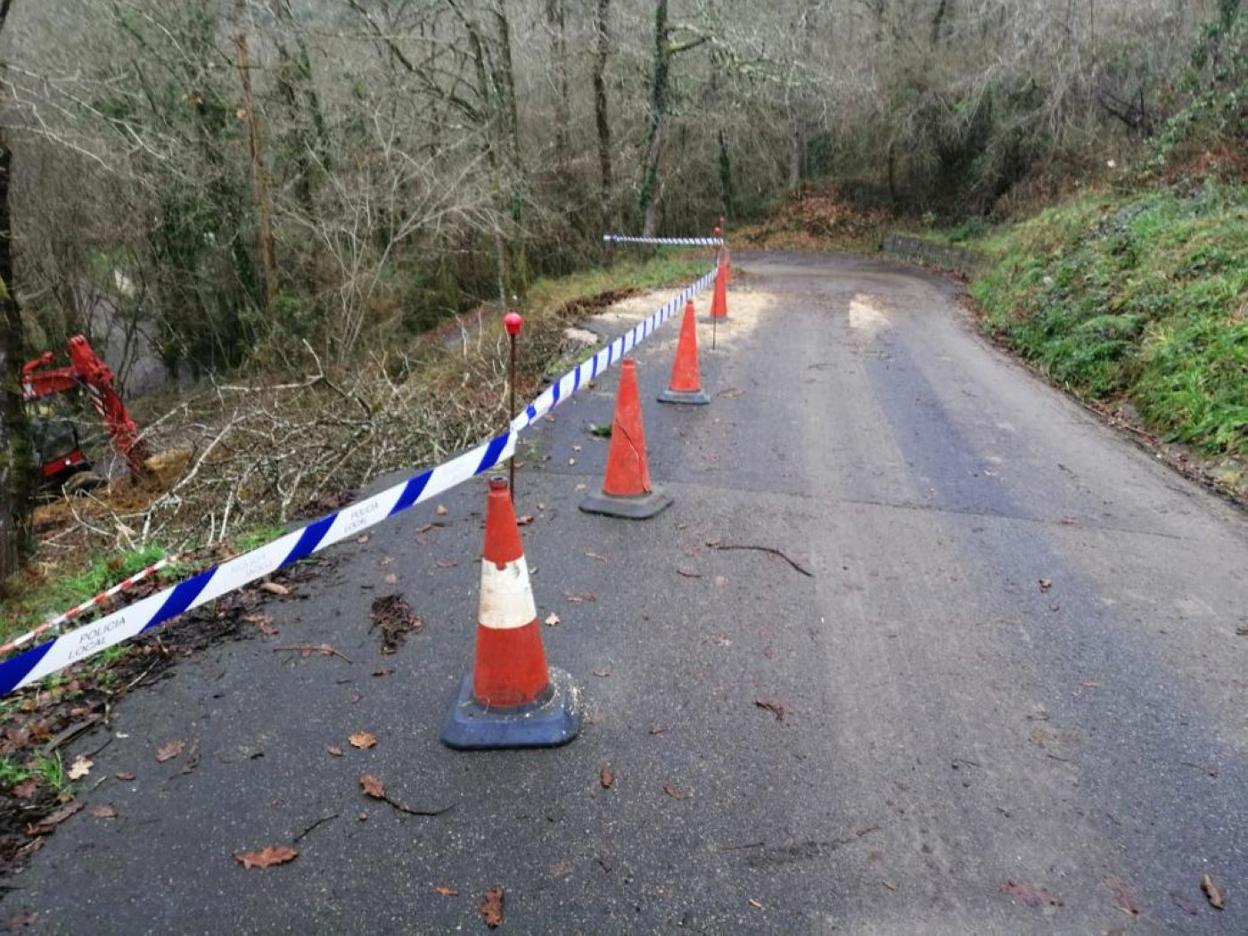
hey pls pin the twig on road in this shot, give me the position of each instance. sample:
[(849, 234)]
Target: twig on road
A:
[(318, 822), (773, 551), (308, 649)]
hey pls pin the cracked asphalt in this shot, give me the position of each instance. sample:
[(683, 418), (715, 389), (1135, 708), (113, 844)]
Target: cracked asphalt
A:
[(1009, 698)]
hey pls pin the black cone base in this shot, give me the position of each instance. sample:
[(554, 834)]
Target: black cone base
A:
[(642, 507), (471, 726)]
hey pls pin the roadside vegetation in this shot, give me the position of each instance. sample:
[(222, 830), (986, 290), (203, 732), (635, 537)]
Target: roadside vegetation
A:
[(1135, 297)]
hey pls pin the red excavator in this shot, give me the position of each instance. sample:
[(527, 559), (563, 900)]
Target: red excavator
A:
[(58, 452)]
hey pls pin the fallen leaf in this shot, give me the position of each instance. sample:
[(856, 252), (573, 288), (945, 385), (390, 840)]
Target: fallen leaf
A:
[(524, 519), (777, 708), (571, 461), (687, 573), (362, 740), (170, 751), (441, 511), (1122, 895), (397, 619), (1028, 895), (1045, 584), (606, 777), (26, 789), (22, 919), (391, 579), (372, 786), (383, 672), (103, 811), (660, 729), (80, 767), (1216, 898), (889, 884), (594, 555), (674, 792), (492, 907), (755, 904), (720, 581), (553, 620), (580, 597), (52, 820), (362, 539), (581, 487), (445, 891), (602, 673), (125, 776), (273, 588), (266, 857), (333, 750)]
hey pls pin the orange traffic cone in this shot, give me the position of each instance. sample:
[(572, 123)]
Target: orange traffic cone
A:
[(626, 489), (719, 301), (510, 699), (686, 384)]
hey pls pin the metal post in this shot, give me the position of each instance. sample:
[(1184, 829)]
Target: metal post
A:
[(512, 321)]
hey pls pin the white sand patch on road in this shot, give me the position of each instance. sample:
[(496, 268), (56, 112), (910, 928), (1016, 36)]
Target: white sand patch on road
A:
[(866, 315)]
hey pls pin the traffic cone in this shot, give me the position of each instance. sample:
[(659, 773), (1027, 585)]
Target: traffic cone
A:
[(686, 384), (510, 699), (719, 301), (626, 489)]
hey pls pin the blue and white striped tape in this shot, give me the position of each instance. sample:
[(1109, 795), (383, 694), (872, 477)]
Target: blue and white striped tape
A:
[(665, 241), (151, 612)]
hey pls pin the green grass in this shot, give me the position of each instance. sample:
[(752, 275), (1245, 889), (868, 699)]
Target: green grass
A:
[(1138, 297), (12, 773), (662, 270)]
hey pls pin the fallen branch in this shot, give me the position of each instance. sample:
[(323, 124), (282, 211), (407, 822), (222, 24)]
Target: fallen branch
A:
[(306, 650), (773, 551)]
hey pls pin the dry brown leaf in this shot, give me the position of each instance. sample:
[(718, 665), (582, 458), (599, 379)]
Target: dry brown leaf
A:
[(445, 891), (125, 776), (675, 792), (606, 777), (594, 555), (524, 519), (1031, 896), (579, 597), (688, 573), (603, 673), (1045, 584), (372, 786), (273, 588), (362, 539), (266, 857), (50, 821), (80, 767), (441, 511), (103, 811), (492, 907), (362, 740), (1213, 893), (26, 789), (553, 620), (391, 579), (170, 751), (660, 729), (757, 905), (1122, 896), (333, 750), (446, 563)]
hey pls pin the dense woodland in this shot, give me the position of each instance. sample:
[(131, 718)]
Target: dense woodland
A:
[(237, 183)]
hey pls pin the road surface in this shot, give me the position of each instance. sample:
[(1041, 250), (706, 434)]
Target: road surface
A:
[(1012, 692)]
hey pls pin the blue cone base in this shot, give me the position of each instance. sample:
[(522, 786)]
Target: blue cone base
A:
[(471, 726), (685, 397), (642, 507)]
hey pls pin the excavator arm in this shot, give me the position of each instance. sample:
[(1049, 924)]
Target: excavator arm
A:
[(86, 369)]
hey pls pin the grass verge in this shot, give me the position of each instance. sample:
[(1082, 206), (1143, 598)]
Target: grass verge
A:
[(1139, 299)]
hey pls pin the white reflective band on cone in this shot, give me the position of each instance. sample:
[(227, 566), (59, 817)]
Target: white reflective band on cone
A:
[(506, 598)]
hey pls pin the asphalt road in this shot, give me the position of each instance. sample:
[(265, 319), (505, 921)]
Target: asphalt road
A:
[(1013, 694)]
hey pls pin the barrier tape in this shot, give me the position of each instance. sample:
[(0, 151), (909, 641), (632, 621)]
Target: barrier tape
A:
[(91, 603), (212, 583), (667, 241)]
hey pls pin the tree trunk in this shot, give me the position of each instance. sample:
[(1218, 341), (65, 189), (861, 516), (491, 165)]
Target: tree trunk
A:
[(648, 200), (555, 19), (294, 81), (17, 462), (266, 246), (602, 47)]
